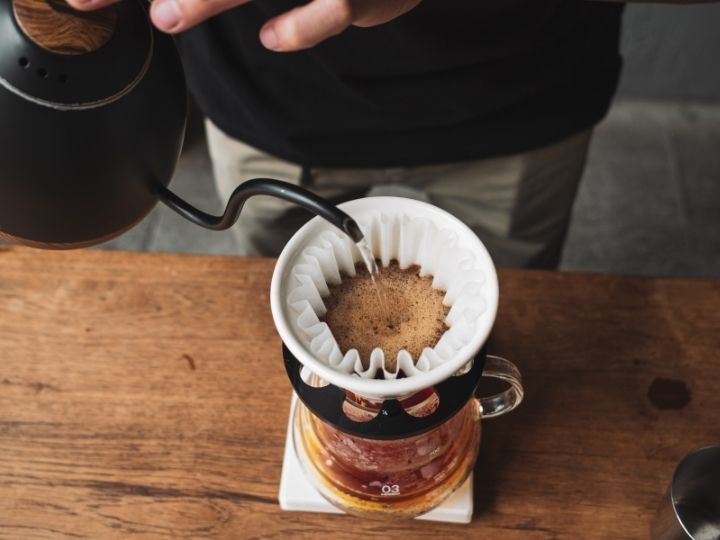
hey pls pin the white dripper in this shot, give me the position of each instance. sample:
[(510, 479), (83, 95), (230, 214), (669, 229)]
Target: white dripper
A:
[(410, 232)]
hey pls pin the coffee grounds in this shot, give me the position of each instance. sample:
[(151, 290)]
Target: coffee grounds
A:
[(417, 313)]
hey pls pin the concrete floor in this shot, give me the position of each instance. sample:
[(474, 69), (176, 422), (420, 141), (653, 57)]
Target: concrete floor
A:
[(649, 202)]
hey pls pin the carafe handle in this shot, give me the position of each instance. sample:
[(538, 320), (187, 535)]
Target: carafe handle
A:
[(504, 402)]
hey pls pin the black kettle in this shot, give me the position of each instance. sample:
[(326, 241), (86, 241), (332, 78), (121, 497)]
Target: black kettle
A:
[(93, 109)]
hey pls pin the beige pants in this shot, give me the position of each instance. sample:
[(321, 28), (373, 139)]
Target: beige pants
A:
[(518, 205)]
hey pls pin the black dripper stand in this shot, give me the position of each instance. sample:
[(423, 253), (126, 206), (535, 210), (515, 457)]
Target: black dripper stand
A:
[(392, 421)]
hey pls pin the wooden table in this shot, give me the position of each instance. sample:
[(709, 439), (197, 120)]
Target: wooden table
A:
[(143, 396)]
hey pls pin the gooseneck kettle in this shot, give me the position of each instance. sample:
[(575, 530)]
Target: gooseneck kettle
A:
[(93, 109)]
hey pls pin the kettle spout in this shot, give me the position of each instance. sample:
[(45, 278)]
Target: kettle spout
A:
[(262, 186)]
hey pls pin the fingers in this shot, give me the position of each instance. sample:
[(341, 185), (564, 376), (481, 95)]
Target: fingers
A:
[(173, 16), (297, 29), (89, 5), (306, 26)]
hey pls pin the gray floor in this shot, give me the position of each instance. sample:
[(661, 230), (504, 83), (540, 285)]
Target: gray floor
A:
[(649, 202), (650, 199)]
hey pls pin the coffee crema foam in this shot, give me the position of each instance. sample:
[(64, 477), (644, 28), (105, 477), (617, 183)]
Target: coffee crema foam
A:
[(417, 317)]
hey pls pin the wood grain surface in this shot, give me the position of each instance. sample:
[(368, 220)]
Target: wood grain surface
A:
[(143, 396), (59, 28)]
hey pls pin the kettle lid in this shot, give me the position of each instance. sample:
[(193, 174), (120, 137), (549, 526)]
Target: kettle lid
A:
[(55, 56)]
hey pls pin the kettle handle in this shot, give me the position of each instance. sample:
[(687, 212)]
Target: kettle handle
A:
[(261, 186)]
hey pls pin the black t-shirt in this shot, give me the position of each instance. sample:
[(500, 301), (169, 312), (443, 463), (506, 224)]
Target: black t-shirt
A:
[(451, 80)]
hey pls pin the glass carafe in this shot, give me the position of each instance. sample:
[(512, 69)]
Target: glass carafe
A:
[(398, 477)]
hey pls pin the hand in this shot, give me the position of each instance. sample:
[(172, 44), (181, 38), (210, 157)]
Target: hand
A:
[(297, 29)]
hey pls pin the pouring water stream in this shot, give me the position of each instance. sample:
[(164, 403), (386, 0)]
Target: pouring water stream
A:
[(372, 268)]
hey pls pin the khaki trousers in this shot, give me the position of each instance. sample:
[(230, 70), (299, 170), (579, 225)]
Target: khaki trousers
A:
[(518, 205)]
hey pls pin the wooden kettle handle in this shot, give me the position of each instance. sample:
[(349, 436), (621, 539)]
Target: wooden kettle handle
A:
[(55, 26)]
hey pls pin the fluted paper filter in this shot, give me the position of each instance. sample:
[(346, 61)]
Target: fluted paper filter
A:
[(410, 241)]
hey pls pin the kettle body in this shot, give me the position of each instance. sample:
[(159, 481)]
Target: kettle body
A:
[(87, 132), (93, 108)]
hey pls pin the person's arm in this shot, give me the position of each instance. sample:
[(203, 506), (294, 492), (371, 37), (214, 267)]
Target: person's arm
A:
[(297, 29)]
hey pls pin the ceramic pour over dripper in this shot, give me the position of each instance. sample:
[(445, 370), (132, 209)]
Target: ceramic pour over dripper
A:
[(413, 233)]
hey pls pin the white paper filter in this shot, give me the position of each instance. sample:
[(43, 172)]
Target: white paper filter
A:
[(410, 241)]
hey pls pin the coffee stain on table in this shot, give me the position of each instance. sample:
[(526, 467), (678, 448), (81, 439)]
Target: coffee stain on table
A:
[(191, 362), (672, 394)]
